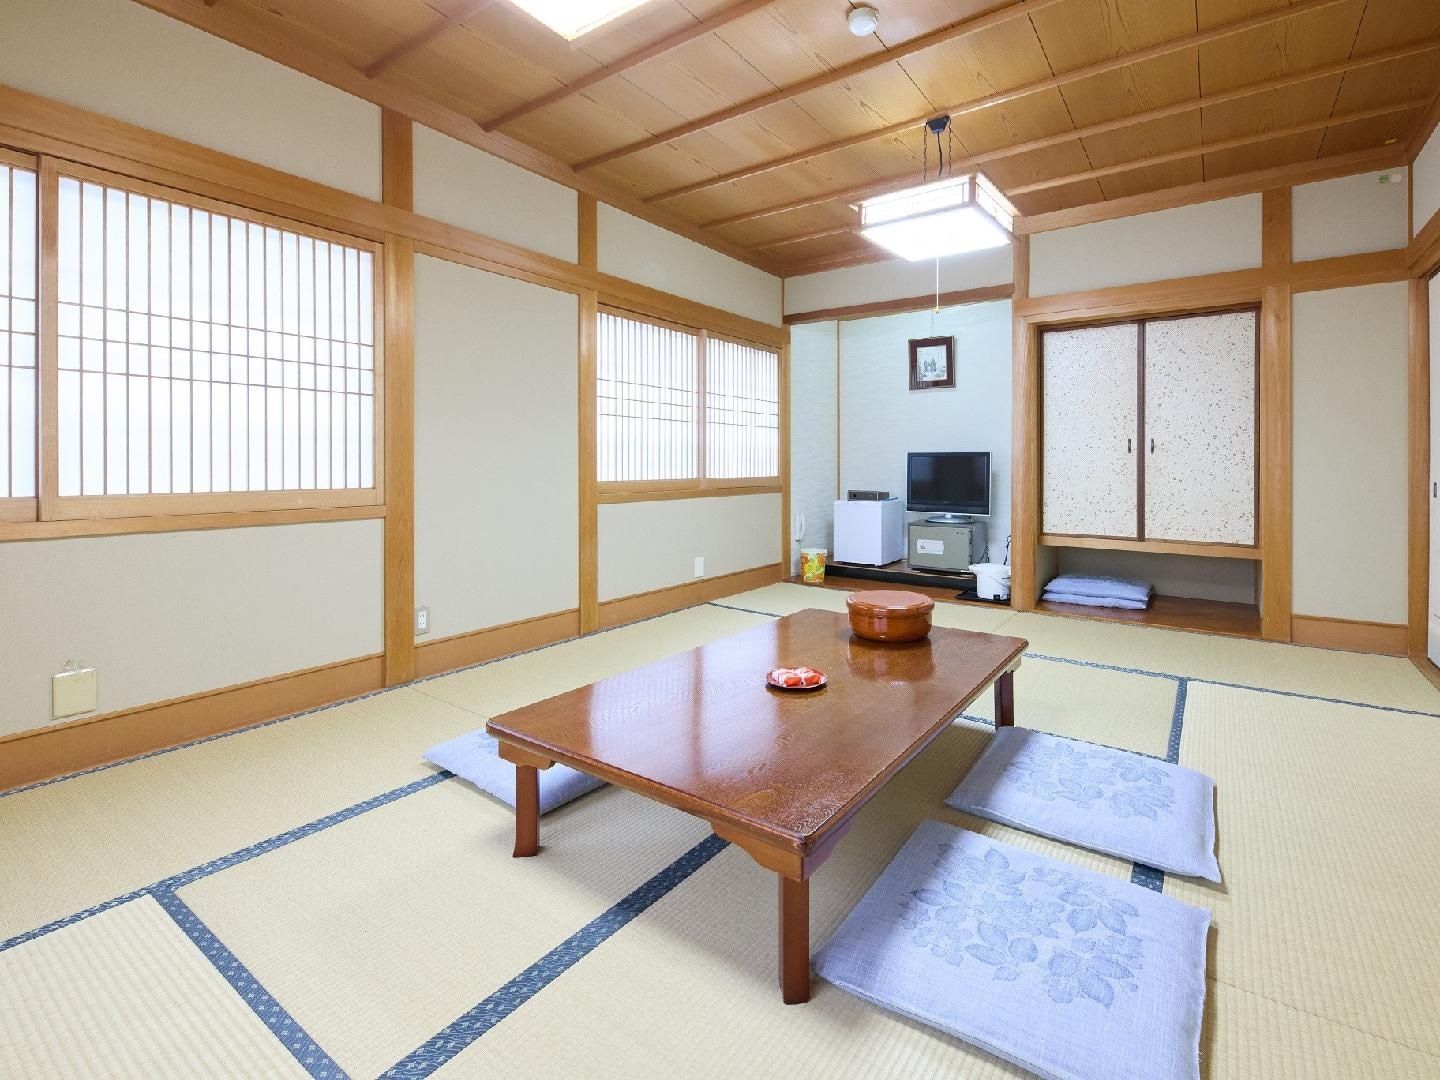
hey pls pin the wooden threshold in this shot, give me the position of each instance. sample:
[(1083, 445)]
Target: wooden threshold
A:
[(1169, 547), (935, 592), (1172, 613)]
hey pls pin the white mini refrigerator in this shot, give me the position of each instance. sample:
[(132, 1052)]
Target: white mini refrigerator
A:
[(870, 532)]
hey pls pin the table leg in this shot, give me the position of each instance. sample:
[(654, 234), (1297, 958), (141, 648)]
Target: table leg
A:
[(1005, 700), (794, 940), (527, 811)]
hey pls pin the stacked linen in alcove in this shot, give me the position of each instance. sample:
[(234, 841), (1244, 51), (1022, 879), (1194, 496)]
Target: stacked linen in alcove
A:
[(1092, 591)]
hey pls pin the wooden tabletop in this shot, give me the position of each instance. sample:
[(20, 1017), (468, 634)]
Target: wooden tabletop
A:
[(702, 732)]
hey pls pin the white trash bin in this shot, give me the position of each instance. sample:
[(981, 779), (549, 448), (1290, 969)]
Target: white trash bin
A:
[(992, 581)]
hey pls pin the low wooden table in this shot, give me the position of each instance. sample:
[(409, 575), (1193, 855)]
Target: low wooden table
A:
[(780, 774)]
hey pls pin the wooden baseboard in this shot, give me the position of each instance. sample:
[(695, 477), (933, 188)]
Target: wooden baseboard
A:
[(1349, 634), (96, 740), (462, 650), (661, 601), (1427, 667)]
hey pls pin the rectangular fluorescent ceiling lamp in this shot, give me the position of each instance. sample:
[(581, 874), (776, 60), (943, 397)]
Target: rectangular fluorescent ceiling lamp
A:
[(572, 18), (944, 217)]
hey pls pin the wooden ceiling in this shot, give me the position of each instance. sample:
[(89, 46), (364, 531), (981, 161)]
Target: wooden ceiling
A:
[(753, 124)]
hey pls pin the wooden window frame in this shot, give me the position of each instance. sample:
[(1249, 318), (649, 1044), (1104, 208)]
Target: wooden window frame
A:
[(703, 486), (27, 508), (53, 514)]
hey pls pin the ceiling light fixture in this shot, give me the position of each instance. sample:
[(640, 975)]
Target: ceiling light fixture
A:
[(573, 18), (950, 215), (863, 20)]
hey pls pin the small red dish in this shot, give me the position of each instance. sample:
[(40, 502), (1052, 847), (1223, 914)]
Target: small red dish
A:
[(796, 678)]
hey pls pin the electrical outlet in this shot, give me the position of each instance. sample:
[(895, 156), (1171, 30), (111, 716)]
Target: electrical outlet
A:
[(699, 565), (422, 620), (72, 691)]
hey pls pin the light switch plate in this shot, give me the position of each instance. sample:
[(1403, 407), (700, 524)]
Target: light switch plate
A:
[(72, 692), (699, 566)]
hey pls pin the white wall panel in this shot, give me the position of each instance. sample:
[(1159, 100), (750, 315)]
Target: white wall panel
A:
[(638, 251), (1425, 177), (461, 185), (882, 419), (496, 451), (652, 545), (1205, 238), (1350, 503), (813, 354), (896, 279), (122, 60), (164, 615), (1347, 216)]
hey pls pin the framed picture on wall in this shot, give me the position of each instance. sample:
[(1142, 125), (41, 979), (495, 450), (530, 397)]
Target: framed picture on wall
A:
[(932, 363)]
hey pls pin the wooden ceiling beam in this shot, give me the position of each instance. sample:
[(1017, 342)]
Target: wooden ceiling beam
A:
[(424, 37), (1177, 155), (899, 183), (250, 34), (1164, 48), (625, 63), (839, 230), (1305, 172), (1224, 144), (1014, 10)]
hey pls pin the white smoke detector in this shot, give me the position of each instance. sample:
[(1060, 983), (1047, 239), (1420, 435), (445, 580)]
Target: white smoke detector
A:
[(863, 20)]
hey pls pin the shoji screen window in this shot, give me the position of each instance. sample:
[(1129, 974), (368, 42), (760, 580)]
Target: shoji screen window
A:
[(647, 377), (18, 340), (742, 411), (209, 359)]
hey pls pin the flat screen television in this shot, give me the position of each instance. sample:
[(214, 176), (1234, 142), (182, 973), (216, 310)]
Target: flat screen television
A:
[(950, 484)]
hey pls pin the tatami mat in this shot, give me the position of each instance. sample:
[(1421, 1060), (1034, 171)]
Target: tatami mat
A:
[(785, 598), (1376, 680), (497, 688), (126, 994), (699, 969), (82, 841), (1331, 858), (378, 931)]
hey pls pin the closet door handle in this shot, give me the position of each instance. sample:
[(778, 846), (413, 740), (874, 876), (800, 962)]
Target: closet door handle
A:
[(1129, 446), (1152, 446)]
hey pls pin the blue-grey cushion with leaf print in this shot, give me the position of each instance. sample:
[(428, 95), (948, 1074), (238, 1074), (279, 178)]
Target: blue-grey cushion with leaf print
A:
[(1112, 801), (1068, 973), (475, 756)]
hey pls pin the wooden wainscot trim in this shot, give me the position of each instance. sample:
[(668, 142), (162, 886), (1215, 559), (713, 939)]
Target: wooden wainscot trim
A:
[(478, 646), (911, 303), (1351, 635), (676, 597), (97, 740), (63, 529)]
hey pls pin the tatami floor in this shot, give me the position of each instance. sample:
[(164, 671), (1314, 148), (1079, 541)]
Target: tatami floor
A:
[(308, 897)]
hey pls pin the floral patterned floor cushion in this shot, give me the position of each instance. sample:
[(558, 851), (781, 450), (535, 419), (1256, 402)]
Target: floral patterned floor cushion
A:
[(476, 757), (1113, 801), (1070, 974)]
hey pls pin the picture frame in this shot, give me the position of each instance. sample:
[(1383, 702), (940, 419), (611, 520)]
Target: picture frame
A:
[(932, 363)]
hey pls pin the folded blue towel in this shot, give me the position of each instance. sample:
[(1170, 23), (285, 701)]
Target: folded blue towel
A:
[(1094, 585), (1095, 601)]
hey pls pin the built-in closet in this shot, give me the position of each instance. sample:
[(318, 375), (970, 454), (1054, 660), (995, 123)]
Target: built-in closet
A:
[(1149, 431)]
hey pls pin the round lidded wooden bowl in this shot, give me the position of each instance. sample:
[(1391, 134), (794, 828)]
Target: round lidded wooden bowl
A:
[(889, 615)]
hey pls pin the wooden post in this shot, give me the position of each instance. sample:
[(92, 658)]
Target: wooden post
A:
[(397, 186)]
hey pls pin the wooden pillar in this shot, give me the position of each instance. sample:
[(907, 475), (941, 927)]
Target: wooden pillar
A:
[(1419, 418), (397, 187), (1276, 506), (589, 483), (1025, 443)]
